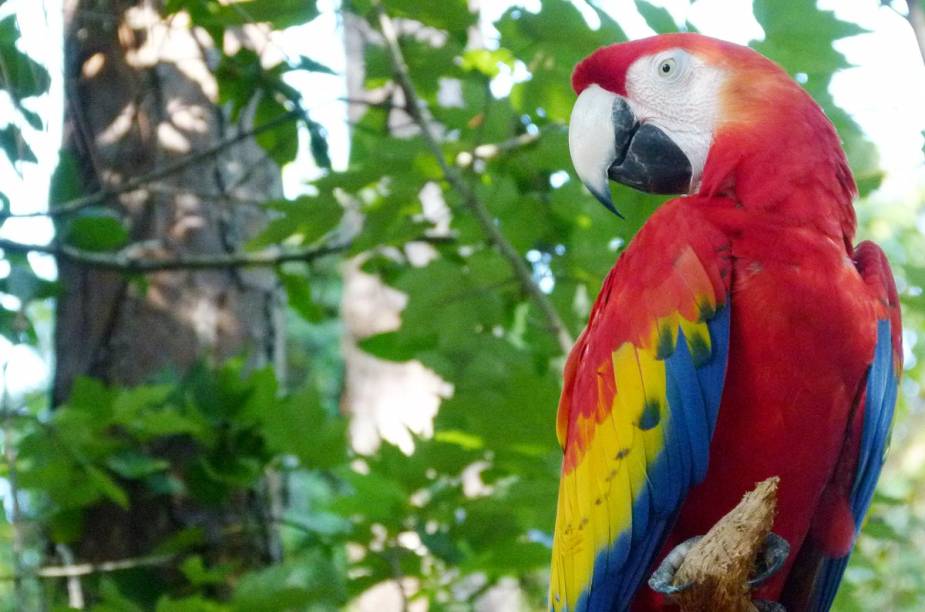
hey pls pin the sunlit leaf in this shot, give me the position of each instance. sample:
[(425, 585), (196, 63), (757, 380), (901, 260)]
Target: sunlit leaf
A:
[(96, 230)]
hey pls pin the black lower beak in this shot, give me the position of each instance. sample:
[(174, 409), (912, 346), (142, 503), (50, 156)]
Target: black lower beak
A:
[(647, 159)]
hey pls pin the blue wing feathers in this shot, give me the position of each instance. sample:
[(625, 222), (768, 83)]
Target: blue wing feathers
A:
[(712, 374), (828, 582), (878, 415), (687, 410), (693, 395), (879, 403)]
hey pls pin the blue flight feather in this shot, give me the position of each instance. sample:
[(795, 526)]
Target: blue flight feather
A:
[(694, 395), (879, 403)]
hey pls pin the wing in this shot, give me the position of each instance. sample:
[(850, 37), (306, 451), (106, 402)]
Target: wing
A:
[(638, 408), (877, 404)]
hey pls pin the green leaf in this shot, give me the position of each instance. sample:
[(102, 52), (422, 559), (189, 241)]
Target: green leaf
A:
[(161, 423), (299, 294), (318, 143), (96, 230), (181, 541), (279, 14), (376, 497), (113, 600), (451, 15), (132, 403), (133, 465), (23, 76), (487, 61), (66, 183), (395, 346), (107, 486), (34, 119), (198, 574), (303, 580), (282, 142), (307, 63), (66, 525), (90, 395), (305, 219), (195, 603), (15, 147), (299, 425), (24, 284), (215, 16), (658, 18), (236, 75)]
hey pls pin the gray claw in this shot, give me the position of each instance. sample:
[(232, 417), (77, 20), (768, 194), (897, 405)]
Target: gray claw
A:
[(771, 558), (661, 579)]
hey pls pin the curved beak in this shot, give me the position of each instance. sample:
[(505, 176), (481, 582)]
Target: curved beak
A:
[(606, 140)]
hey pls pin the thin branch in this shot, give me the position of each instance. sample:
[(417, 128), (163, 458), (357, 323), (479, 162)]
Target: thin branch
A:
[(387, 102), (487, 151), (206, 196), (86, 569), (130, 261), (423, 118), (139, 264), (75, 591), (139, 182)]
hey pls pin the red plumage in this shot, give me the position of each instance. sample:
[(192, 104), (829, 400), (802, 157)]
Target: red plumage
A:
[(774, 204)]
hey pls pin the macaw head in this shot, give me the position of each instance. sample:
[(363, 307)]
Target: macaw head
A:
[(685, 113)]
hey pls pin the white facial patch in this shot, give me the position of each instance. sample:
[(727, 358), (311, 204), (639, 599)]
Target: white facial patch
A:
[(678, 93)]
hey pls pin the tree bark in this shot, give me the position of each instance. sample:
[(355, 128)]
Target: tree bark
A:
[(139, 95)]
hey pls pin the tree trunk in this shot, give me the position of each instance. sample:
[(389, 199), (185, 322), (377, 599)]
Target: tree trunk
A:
[(139, 95)]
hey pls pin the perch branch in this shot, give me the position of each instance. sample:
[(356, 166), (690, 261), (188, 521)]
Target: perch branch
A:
[(719, 565), (425, 121)]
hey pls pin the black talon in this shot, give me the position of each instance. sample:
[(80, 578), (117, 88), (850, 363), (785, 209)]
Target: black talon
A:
[(770, 559)]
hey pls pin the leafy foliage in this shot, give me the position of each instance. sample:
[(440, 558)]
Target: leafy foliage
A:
[(474, 503)]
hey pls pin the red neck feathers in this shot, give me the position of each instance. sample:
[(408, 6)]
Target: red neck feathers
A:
[(776, 152)]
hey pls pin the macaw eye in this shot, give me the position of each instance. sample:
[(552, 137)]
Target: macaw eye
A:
[(667, 67)]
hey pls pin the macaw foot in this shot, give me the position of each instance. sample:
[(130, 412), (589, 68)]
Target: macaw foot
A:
[(770, 559)]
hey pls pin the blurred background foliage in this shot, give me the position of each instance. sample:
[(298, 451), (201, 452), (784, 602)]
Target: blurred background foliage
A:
[(457, 517)]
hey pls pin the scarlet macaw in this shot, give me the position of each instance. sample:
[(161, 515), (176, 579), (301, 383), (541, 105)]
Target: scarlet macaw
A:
[(739, 336)]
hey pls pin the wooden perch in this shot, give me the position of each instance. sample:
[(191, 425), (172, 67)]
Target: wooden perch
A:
[(720, 564)]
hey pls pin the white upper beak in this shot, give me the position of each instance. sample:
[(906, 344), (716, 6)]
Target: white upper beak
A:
[(591, 139)]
